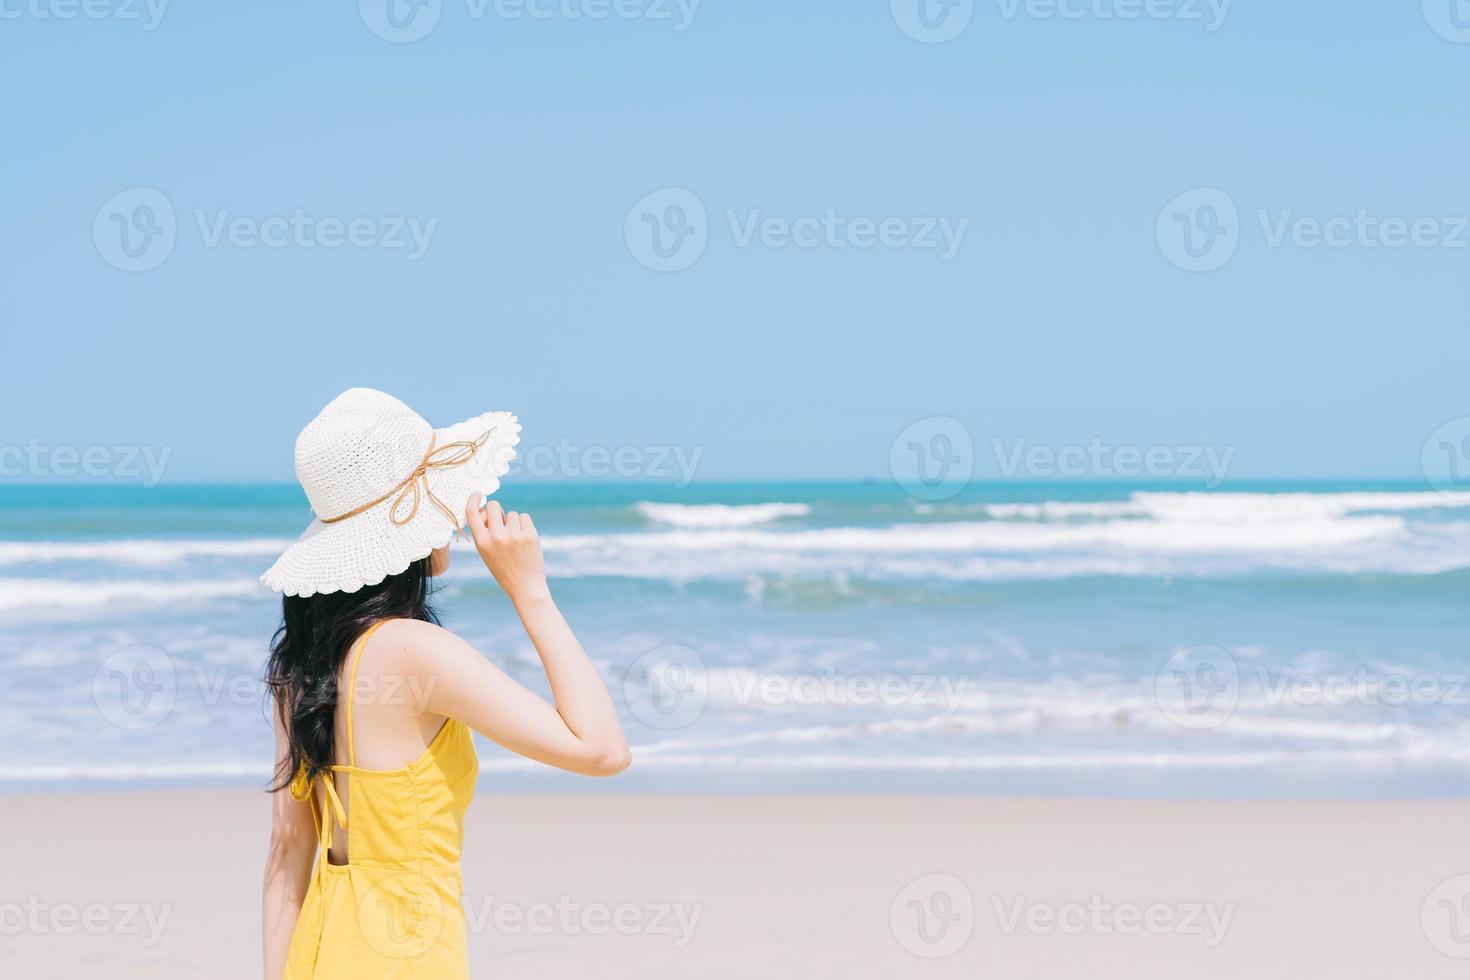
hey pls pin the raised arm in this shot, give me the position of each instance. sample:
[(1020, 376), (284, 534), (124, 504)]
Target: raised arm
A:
[(580, 732)]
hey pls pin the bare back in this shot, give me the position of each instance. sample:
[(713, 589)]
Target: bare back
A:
[(383, 721)]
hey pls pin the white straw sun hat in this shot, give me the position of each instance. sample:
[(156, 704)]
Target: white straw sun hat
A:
[(387, 489)]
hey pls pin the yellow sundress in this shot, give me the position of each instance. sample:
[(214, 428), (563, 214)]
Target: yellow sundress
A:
[(394, 909)]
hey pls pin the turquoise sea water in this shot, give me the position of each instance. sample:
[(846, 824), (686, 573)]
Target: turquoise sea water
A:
[(1264, 639)]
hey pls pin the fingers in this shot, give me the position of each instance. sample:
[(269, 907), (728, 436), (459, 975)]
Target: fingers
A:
[(494, 523), (475, 518), (502, 524), (519, 524)]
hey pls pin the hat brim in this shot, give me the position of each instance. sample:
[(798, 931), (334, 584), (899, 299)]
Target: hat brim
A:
[(365, 549)]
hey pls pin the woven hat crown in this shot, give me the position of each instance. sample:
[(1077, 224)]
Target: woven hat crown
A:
[(362, 445)]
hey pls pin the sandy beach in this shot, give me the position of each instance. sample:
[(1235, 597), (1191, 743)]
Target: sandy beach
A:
[(165, 884)]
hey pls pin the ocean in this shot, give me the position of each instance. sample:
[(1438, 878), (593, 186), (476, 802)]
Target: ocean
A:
[(1085, 639)]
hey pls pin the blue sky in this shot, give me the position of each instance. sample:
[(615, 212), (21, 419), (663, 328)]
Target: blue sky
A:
[(519, 146)]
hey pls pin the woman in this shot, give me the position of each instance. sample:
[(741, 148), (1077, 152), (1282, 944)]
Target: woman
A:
[(374, 701)]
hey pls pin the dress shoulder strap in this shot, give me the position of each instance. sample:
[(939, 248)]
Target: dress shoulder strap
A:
[(352, 686)]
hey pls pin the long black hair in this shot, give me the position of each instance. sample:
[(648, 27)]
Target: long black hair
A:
[(307, 651)]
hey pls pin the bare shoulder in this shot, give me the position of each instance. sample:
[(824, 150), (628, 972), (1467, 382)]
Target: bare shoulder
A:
[(412, 644)]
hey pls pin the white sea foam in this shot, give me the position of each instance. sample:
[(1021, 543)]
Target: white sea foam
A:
[(57, 594), (1150, 534), (1232, 508), (993, 536), (1062, 761), (1041, 726), (719, 515), (1058, 708), (142, 551), (1093, 714), (810, 762), (125, 771)]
